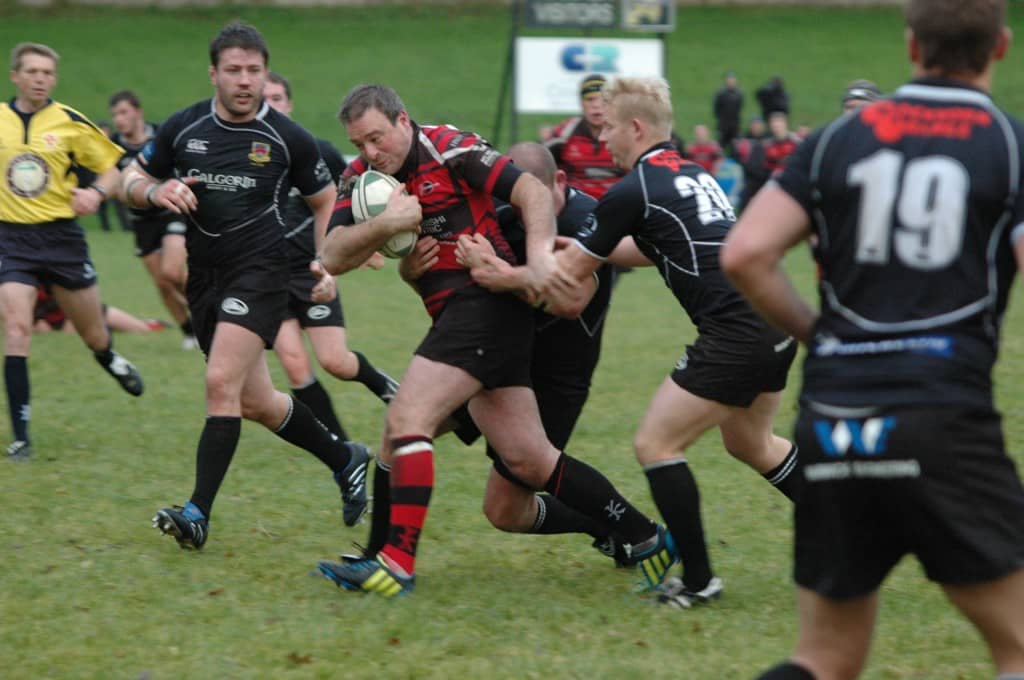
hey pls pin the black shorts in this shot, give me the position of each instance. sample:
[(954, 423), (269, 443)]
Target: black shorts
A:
[(54, 252), (249, 292), (150, 232), (489, 336), (734, 373), (301, 307), (936, 483)]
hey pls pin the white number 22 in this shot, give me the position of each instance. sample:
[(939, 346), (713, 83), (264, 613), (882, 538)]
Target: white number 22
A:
[(928, 229)]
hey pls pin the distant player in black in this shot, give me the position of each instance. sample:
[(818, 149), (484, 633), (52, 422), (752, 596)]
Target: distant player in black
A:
[(323, 322), (565, 352), (227, 164), (916, 205), (732, 376), (159, 234)]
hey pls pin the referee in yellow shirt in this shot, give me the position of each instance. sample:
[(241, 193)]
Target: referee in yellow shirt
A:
[(40, 240)]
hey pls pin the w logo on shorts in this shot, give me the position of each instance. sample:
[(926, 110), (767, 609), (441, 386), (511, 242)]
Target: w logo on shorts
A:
[(866, 437), (234, 306), (88, 271)]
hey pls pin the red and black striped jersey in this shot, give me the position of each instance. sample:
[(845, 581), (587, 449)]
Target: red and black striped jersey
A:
[(777, 151), (586, 160), (454, 174)]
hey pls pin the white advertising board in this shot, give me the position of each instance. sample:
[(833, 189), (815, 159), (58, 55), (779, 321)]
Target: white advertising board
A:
[(549, 70)]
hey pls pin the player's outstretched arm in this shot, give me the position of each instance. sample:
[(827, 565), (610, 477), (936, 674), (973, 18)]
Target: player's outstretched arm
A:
[(627, 254), (752, 259)]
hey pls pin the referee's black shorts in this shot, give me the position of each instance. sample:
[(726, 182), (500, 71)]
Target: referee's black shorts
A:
[(934, 482)]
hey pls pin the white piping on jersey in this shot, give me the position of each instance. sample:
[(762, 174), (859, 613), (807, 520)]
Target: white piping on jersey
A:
[(945, 94), (588, 251), (842, 411), (189, 127), (648, 206), (431, 149), (235, 228), (305, 223), (942, 94)]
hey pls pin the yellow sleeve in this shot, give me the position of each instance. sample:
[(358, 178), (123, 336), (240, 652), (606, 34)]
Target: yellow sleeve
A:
[(91, 147)]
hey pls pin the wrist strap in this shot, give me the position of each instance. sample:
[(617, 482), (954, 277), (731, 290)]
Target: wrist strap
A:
[(101, 190), (149, 194)]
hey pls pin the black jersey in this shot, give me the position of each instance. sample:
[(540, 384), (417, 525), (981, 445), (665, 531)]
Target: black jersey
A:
[(298, 216), (914, 201), (244, 173), (679, 218), (131, 151), (576, 216)]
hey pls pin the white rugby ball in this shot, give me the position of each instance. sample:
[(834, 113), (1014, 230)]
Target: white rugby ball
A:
[(370, 196)]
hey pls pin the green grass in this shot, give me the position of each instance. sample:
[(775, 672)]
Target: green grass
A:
[(87, 588)]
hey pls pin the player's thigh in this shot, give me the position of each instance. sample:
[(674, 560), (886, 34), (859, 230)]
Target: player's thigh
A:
[(835, 635), (675, 419), (291, 351), (509, 419), (429, 392), (234, 351), (996, 608), (173, 256), (152, 263), (748, 430)]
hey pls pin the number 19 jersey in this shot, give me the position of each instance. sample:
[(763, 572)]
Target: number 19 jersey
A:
[(915, 202)]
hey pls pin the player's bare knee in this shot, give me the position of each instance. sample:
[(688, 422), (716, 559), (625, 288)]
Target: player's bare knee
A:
[(339, 365), (497, 513)]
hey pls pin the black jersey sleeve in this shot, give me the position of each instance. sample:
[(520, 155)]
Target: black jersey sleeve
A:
[(795, 179), (618, 212), (157, 156), (308, 173), (333, 158), (342, 215)]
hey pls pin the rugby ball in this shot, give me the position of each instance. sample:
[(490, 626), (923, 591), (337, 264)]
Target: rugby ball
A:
[(370, 196)]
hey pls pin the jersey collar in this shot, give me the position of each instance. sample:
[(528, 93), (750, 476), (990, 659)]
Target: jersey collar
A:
[(944, 89), (656, 149)]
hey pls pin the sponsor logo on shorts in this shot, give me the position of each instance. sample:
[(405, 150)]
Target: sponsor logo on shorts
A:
[(260, 154), (234, 306), (28, 175), (88, 271), (682, 363), (197, 146), (868, 437), (318, 312)]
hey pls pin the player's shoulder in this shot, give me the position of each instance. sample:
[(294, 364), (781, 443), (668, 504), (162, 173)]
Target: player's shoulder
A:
[(578, 211), (448, 137), (74, 115), (187, 116)]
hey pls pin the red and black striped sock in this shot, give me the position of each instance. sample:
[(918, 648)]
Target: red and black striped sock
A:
[(412, 481)]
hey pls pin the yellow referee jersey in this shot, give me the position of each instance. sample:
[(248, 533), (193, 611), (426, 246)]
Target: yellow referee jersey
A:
[(36, 152)]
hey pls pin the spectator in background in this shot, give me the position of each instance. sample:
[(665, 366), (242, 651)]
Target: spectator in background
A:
[(780, 144), (704, 151), (575, 145), (772, 97), (749, 153), (858, 93), (728, 107)]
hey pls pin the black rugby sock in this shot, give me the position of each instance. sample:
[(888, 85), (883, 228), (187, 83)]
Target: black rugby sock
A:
[(301, 428), (787, 476), (555, 517), (105, 356), (187, 328), (674, 489), (380, 520), (586, 490), (319, 402), (378, 382), (16, 382), (788, 671), (217, 446)]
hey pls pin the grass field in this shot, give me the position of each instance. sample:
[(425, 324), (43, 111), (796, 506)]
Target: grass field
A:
[(89, 590)]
